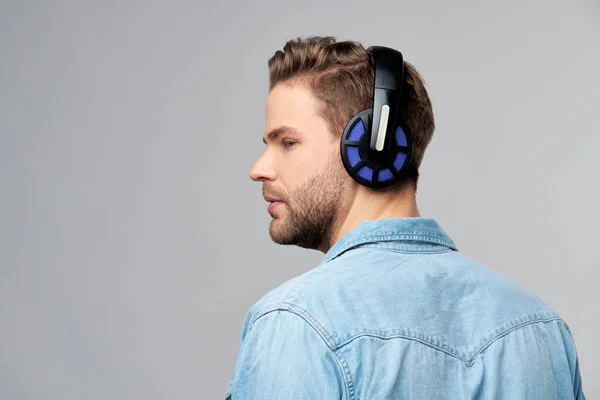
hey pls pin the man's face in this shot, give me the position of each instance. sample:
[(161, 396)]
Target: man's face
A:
[(301, 167)]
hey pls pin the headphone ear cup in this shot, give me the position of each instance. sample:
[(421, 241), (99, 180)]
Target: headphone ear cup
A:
[(374, 170), (354, 135)]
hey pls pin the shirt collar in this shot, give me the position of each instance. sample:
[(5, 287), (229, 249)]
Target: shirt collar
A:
[(416, 230)]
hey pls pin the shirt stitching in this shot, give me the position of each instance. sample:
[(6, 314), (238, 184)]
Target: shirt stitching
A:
[(506, 332), (403, 336), (408, 250), (362, 240), (321, 331), (450, 352), (310, 319), (348, 374)]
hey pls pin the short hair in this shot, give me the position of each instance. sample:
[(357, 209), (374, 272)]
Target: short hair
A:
[(340, 75)]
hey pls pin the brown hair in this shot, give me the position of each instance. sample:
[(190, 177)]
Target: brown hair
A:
[(340, 75)]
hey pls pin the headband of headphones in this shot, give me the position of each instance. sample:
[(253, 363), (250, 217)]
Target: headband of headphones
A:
[(389, 75)]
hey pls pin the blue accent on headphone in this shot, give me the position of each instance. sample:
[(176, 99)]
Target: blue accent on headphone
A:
[(385, 174), (357, 131), (399, 160), (353, 155), (366, 172), (400, 136)]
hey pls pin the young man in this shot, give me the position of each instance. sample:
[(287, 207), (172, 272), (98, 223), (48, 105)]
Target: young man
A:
[(394, 310)]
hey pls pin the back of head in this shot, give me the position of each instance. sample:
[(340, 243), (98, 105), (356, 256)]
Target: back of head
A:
[(340, 75)]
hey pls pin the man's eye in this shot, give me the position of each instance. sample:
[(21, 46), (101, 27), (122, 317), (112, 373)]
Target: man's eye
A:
[(288, 143)]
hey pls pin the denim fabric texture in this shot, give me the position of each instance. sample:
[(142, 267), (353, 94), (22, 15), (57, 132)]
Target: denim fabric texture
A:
[(395, 311)]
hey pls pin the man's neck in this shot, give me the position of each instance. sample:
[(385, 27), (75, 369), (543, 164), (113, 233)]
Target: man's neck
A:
[(368, 205)]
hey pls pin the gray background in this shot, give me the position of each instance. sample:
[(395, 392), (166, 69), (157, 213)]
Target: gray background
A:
[(132, 241)]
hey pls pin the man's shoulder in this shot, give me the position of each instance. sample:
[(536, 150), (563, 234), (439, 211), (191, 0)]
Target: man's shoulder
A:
[(283, 297), (385, 293)]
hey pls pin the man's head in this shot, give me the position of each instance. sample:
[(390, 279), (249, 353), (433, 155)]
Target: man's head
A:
[(316, 86)]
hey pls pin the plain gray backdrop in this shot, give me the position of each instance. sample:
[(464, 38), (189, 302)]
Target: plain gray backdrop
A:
[(132, 241)]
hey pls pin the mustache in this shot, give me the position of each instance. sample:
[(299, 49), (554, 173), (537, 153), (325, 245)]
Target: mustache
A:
[(266, 191)]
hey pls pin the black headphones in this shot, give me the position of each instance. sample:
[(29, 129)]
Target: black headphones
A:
[(376, 146)]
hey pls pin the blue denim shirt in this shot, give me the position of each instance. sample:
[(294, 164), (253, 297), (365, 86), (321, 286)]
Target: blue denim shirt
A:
[(395, 311)]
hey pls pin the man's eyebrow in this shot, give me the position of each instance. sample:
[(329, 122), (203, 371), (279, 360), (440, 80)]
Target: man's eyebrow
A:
[(282, 130)]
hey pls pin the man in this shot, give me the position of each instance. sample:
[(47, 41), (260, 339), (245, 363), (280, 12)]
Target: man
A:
[(394, 310)]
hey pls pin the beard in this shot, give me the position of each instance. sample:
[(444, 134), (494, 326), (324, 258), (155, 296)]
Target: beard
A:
[(312, 209)]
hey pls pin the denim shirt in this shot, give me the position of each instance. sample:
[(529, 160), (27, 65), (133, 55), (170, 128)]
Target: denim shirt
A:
[(395, 311)]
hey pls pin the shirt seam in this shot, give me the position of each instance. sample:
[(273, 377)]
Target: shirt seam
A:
[(401, 336), (407, 250), (321, 332), (508, 331), (416, 236), (425, 237), (451, 352)]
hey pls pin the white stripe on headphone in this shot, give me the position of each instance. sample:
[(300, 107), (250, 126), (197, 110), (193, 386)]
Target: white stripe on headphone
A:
[(383, 121)]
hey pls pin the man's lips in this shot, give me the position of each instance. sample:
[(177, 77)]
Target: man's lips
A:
[(273, 205), (274, 202), (270, 199)]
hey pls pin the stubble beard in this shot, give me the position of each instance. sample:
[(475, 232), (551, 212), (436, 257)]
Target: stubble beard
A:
[(312, 209)]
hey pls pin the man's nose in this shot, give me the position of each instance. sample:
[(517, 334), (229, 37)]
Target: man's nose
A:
[(262, 170)]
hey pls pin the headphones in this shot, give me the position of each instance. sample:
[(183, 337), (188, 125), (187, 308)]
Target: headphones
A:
[(376, 146)]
